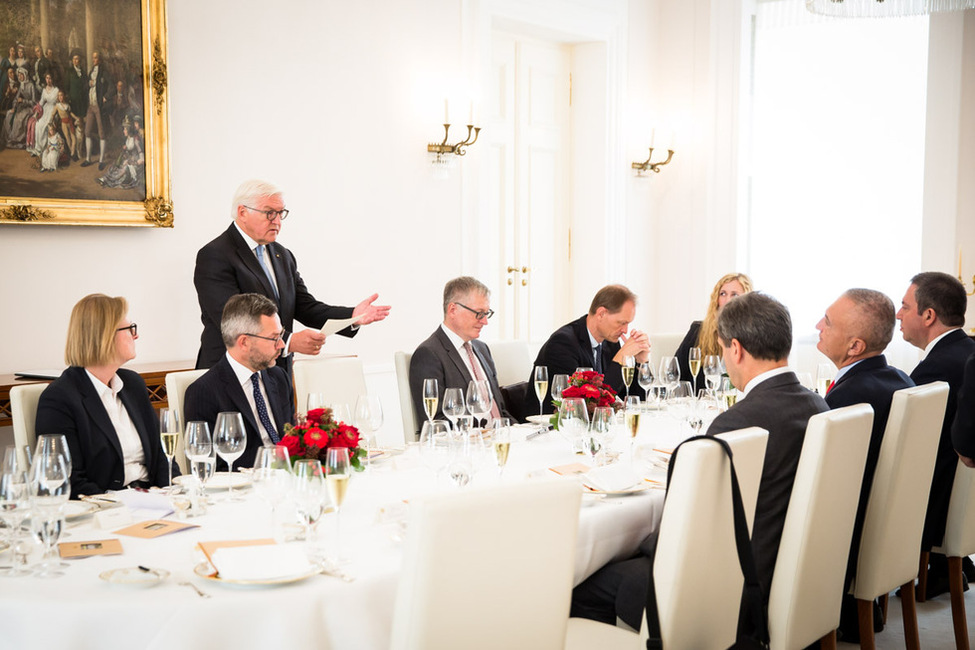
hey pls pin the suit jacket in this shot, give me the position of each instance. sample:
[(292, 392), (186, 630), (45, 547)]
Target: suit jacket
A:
[(945, 362), (218, 390), (569, 348), (783, 407), (437, 358), (690, 341), (873, 382), (70, 405), (226, 267), (963, 429)]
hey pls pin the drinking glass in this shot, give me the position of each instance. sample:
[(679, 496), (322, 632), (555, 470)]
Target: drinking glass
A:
[(541, 386), (14, 504), (314, 401), (629, 369), (338, 470), (574, 420), (669, 373), (559, 384), (825, 373), (479, 398), (272, 475), (169, 431), (435, 445), (694, 362), (199, 452), (501, 442), (431, 397), (631, 418), (230, 440), (453, 404), (712, 371), (309, 493), (50, 487), (583, 369), (57, 443), (600, 430), (644, 377), (340, 412), (368, 417)]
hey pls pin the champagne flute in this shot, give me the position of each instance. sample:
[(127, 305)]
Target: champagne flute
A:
[(368, 418), (825, 373), (169, 430), (309, 493), (337, 474), (694, 362), (453, 404), (631, 418), (712, 371), (541, 386), (14, 504), (559, 384), (230, 440), (644, 377), (431, 398), (629, 369), (479, 398), (501, 442)]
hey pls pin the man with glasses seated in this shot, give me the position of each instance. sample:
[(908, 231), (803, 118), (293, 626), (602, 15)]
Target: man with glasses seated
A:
[(453, 355), (245, 379), (246, 258)]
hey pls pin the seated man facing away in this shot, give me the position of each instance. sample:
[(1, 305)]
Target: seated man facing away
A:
[(963, 429), (755, 332), (452, 354), (245, 379)]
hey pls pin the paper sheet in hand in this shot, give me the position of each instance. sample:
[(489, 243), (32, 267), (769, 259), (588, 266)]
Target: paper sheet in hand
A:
[(333, 325)]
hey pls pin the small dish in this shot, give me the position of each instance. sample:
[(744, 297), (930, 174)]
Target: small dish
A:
[(205, 571), (540, 419), (134, 576)]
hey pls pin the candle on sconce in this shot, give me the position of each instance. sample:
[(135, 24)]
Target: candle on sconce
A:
[(446, 112), (653, 134), (470, 119)]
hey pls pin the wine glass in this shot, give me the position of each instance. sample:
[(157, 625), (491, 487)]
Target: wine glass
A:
[(199, 451), (479, 398), (50, 487), (453, 404), (431, 397), (541, 386), (340, 412), (694, 362), (14, 504), (669, 372), (629, 369), (314, 401), (435, 445), (712, 371), (501, 441), (600, 430), (338, 470), (644, 377), (169, 430), (559, 384), (309, 492), (230, 440), (272, 475), (58, 445), (573, 420), (368, 417)]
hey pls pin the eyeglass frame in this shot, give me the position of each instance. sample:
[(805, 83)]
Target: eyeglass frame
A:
[(477, 314), (270, 214), (132, 327), (279, 337)]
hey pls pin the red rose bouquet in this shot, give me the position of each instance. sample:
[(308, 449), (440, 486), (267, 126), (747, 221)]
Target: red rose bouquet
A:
[(317, 433), (589, 386)]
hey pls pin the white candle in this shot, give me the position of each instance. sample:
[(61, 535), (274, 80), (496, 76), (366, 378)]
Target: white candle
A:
[(446, 112), (653, 134), (470, 119)]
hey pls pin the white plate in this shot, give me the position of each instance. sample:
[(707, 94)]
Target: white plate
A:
[(134, 576), (540, 419), (205, 571), (76, 509), (220, 481), (639, 488)]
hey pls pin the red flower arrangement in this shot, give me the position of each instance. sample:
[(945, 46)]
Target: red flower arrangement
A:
[(317, 433), (589, 386)]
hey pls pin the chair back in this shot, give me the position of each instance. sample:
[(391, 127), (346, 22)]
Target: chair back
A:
[(807, 586), (664, 345), (23, 410), (176, 384), (401, 361), (748, 447), (338, 379), (960, 528), (696, 572), (891, 541), (513, 361), (488, 568)]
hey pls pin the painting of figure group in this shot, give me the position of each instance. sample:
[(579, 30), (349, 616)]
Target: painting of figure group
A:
[(76, 113)]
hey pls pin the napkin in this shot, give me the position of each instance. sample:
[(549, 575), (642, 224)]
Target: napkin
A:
[(612, 478), (145, 505), (265, 562)]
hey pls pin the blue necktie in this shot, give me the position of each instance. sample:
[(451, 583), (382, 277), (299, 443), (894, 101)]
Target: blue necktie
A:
[(260, 260), (262, 410), (597, 358)]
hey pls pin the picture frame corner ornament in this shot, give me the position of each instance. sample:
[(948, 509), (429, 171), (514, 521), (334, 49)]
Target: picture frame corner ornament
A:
[(159, 212)]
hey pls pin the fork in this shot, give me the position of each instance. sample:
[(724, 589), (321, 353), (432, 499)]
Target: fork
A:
[(199, 592)]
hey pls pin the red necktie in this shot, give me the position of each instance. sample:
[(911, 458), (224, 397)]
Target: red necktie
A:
[(478, 375)]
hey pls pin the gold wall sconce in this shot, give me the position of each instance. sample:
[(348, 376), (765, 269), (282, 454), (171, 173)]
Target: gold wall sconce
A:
[(646, 165), (459, 148)]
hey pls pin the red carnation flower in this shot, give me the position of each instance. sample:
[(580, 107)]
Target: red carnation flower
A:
[(315, 437)]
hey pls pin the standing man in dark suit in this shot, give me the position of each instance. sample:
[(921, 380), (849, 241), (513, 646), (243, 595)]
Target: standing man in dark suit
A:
[(853, 334), (452, 354), (245, 379), (247, 258), (932, 315), (593, 341)]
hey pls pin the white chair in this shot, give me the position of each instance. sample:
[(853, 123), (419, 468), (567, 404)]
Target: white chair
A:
[(664, 345), (891, 541), (23, 409), (339, 379), (176, 384), (810, 569), (512, 360), (488, 569), (401, 361)]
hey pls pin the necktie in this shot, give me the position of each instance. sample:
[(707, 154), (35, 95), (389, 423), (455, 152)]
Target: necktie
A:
[(262, 410), (260, 260), (478, 375), (597, 358)]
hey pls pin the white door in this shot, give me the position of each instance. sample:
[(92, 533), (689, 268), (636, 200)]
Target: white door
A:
[(528, 141)]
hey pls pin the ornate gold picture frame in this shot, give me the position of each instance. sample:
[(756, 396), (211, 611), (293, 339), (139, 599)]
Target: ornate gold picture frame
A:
[(76, 167)]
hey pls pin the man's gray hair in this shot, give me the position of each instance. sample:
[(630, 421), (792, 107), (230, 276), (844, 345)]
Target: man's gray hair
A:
[(761, 324), (242, 315), (462, 287), (249, 191), (875, 318)]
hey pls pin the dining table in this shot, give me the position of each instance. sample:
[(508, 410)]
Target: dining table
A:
[(189, 609)]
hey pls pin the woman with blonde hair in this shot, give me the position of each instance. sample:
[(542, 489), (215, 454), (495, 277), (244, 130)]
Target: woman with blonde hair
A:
[(102, 409), (704, 334)]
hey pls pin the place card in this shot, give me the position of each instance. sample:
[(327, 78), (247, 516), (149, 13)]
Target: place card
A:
[(154, 528), (89, 548), (113, 518), (571, 469)]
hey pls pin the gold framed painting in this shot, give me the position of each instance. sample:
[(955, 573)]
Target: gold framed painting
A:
[(84, 113)]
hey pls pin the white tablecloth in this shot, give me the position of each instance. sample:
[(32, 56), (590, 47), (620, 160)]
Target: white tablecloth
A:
[(79, 611)]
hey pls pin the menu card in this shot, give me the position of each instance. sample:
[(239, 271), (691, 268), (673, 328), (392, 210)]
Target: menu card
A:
[(91, 547), (154, 528)]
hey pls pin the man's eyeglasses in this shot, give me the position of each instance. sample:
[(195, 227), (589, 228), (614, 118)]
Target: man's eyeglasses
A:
[(279, 336), (477, 314), (132, 328), (271, 214)]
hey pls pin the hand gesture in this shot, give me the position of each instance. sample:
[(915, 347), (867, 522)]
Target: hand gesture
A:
[(369, 312)]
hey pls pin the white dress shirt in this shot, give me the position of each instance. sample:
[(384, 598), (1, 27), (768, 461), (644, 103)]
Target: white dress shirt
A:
[(757, 379), (466, 358), (133, 456)]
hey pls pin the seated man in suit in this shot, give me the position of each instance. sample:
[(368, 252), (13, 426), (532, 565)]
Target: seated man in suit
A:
[(932, 315), (755, 332), (853, 334), (963, 429), (245, 379), (593, 341), (453, 355)]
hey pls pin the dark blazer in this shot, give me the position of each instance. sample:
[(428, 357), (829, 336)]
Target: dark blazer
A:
[(690, 341), (70, 405), (873, 382), (945, 362), (218, 390), (783, 407), (963, 429), (569, 348), (437, 358), (226, 267)]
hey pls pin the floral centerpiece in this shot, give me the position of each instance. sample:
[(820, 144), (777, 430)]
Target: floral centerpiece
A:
[(588, 385), (318, 432)]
